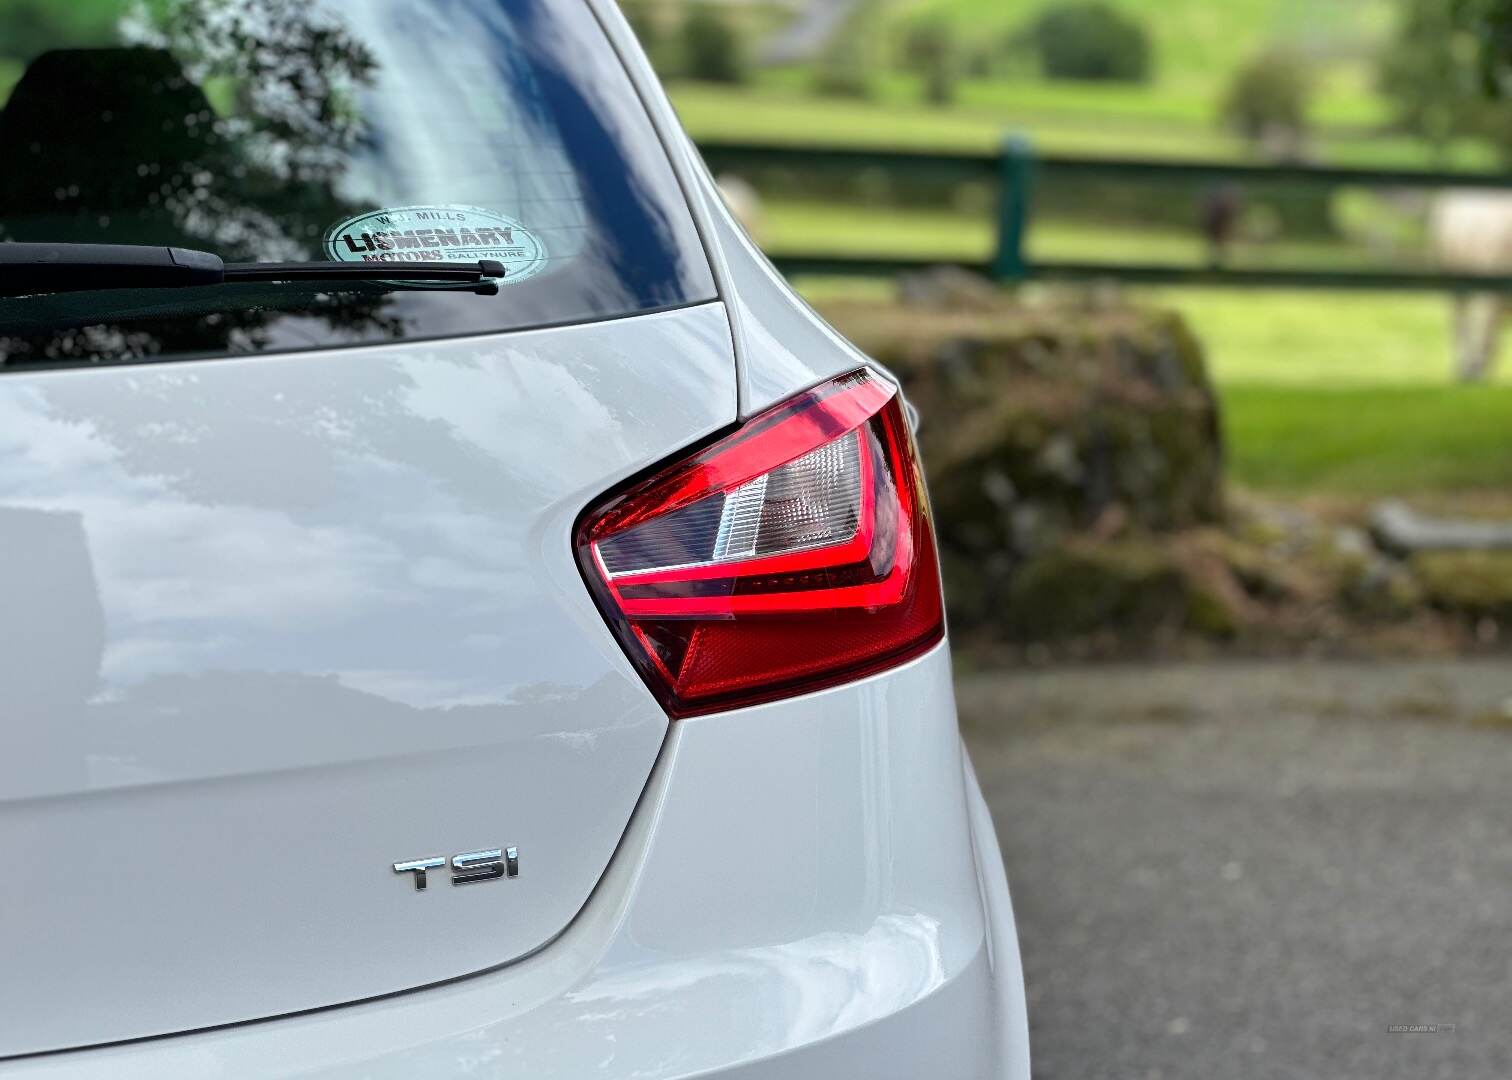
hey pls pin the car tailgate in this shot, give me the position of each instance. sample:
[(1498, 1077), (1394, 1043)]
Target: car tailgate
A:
[(273, 625)]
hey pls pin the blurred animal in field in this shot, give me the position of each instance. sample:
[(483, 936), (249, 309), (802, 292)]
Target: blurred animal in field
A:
[(1221, 208), (1471, 232)]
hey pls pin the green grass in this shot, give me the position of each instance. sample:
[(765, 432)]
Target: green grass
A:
[(790, 117), (1348, 393), (1095, 121), (11, 71), (851, 229), (791, 225), (1338, 339), (1030, 97), (1369, 440)]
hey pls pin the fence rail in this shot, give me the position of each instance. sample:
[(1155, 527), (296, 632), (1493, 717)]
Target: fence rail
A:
[(1017, 168)]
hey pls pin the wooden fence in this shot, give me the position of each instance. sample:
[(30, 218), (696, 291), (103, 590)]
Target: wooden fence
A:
[(1017, 170)]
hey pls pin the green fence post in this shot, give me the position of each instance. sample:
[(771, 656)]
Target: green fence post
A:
[(1016, 183)]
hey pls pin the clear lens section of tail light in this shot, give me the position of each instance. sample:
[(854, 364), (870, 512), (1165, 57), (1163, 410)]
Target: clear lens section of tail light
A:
[(793, 554)]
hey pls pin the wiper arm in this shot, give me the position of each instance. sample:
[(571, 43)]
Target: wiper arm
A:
[(52, 268)]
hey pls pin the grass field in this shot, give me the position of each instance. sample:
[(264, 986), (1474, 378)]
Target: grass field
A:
[(1340, 340), (1369, 440), (797, 225), (1348, 393), (1068, 119), (1198, 43)]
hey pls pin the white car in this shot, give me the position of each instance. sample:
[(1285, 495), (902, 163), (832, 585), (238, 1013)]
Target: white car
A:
[(532, 666)]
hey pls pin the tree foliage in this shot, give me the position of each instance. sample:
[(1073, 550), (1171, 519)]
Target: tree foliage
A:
[(642, 19), (845, 68), (848, 66), (1091, 41), (712, 50), (1267, 100), (1489, 25), (931, 51), (1448, 70)]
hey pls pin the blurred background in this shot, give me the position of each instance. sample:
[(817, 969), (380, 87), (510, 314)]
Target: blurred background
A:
[(1200, 303)]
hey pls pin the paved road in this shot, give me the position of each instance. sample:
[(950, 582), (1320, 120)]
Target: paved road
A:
[(1252, 870)]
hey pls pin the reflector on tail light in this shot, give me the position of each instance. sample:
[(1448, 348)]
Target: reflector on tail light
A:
[(793, 554)]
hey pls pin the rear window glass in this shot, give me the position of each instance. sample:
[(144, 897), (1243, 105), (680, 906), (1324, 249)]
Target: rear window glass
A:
[(364, 130)]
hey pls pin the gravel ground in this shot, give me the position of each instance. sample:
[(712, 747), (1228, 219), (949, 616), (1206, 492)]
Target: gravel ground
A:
[(1252, 870)]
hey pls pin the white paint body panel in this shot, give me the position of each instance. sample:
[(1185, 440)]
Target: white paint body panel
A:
[(798, 897), (807, 889), (272, 625)]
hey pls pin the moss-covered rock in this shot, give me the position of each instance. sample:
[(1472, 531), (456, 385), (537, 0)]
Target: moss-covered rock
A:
[(1220, 599), (1256, 568), (1048, 433), (1036, 423), (1369, 585), (1211, 613), (1083, 587), (1476, 584), (1133, 588), (1075, 459), (1384, 592)]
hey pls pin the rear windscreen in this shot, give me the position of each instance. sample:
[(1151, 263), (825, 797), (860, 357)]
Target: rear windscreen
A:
[(356, 131)]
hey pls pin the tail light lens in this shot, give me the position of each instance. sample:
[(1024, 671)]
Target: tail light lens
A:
[(793, 554)]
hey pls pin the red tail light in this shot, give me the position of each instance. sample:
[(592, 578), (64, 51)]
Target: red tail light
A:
[(793, 554)]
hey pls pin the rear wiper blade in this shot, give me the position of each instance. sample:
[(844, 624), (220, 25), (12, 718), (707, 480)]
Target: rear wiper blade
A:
[(26, 269)]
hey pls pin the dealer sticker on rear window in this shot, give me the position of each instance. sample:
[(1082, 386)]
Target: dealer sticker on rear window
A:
[(438, 234)]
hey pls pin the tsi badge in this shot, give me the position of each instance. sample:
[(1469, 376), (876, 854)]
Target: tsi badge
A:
[(468, 868)]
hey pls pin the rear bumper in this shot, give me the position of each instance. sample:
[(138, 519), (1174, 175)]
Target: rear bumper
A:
[(808, 888)]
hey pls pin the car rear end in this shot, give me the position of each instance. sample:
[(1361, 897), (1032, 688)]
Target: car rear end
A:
[(415, 681)]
